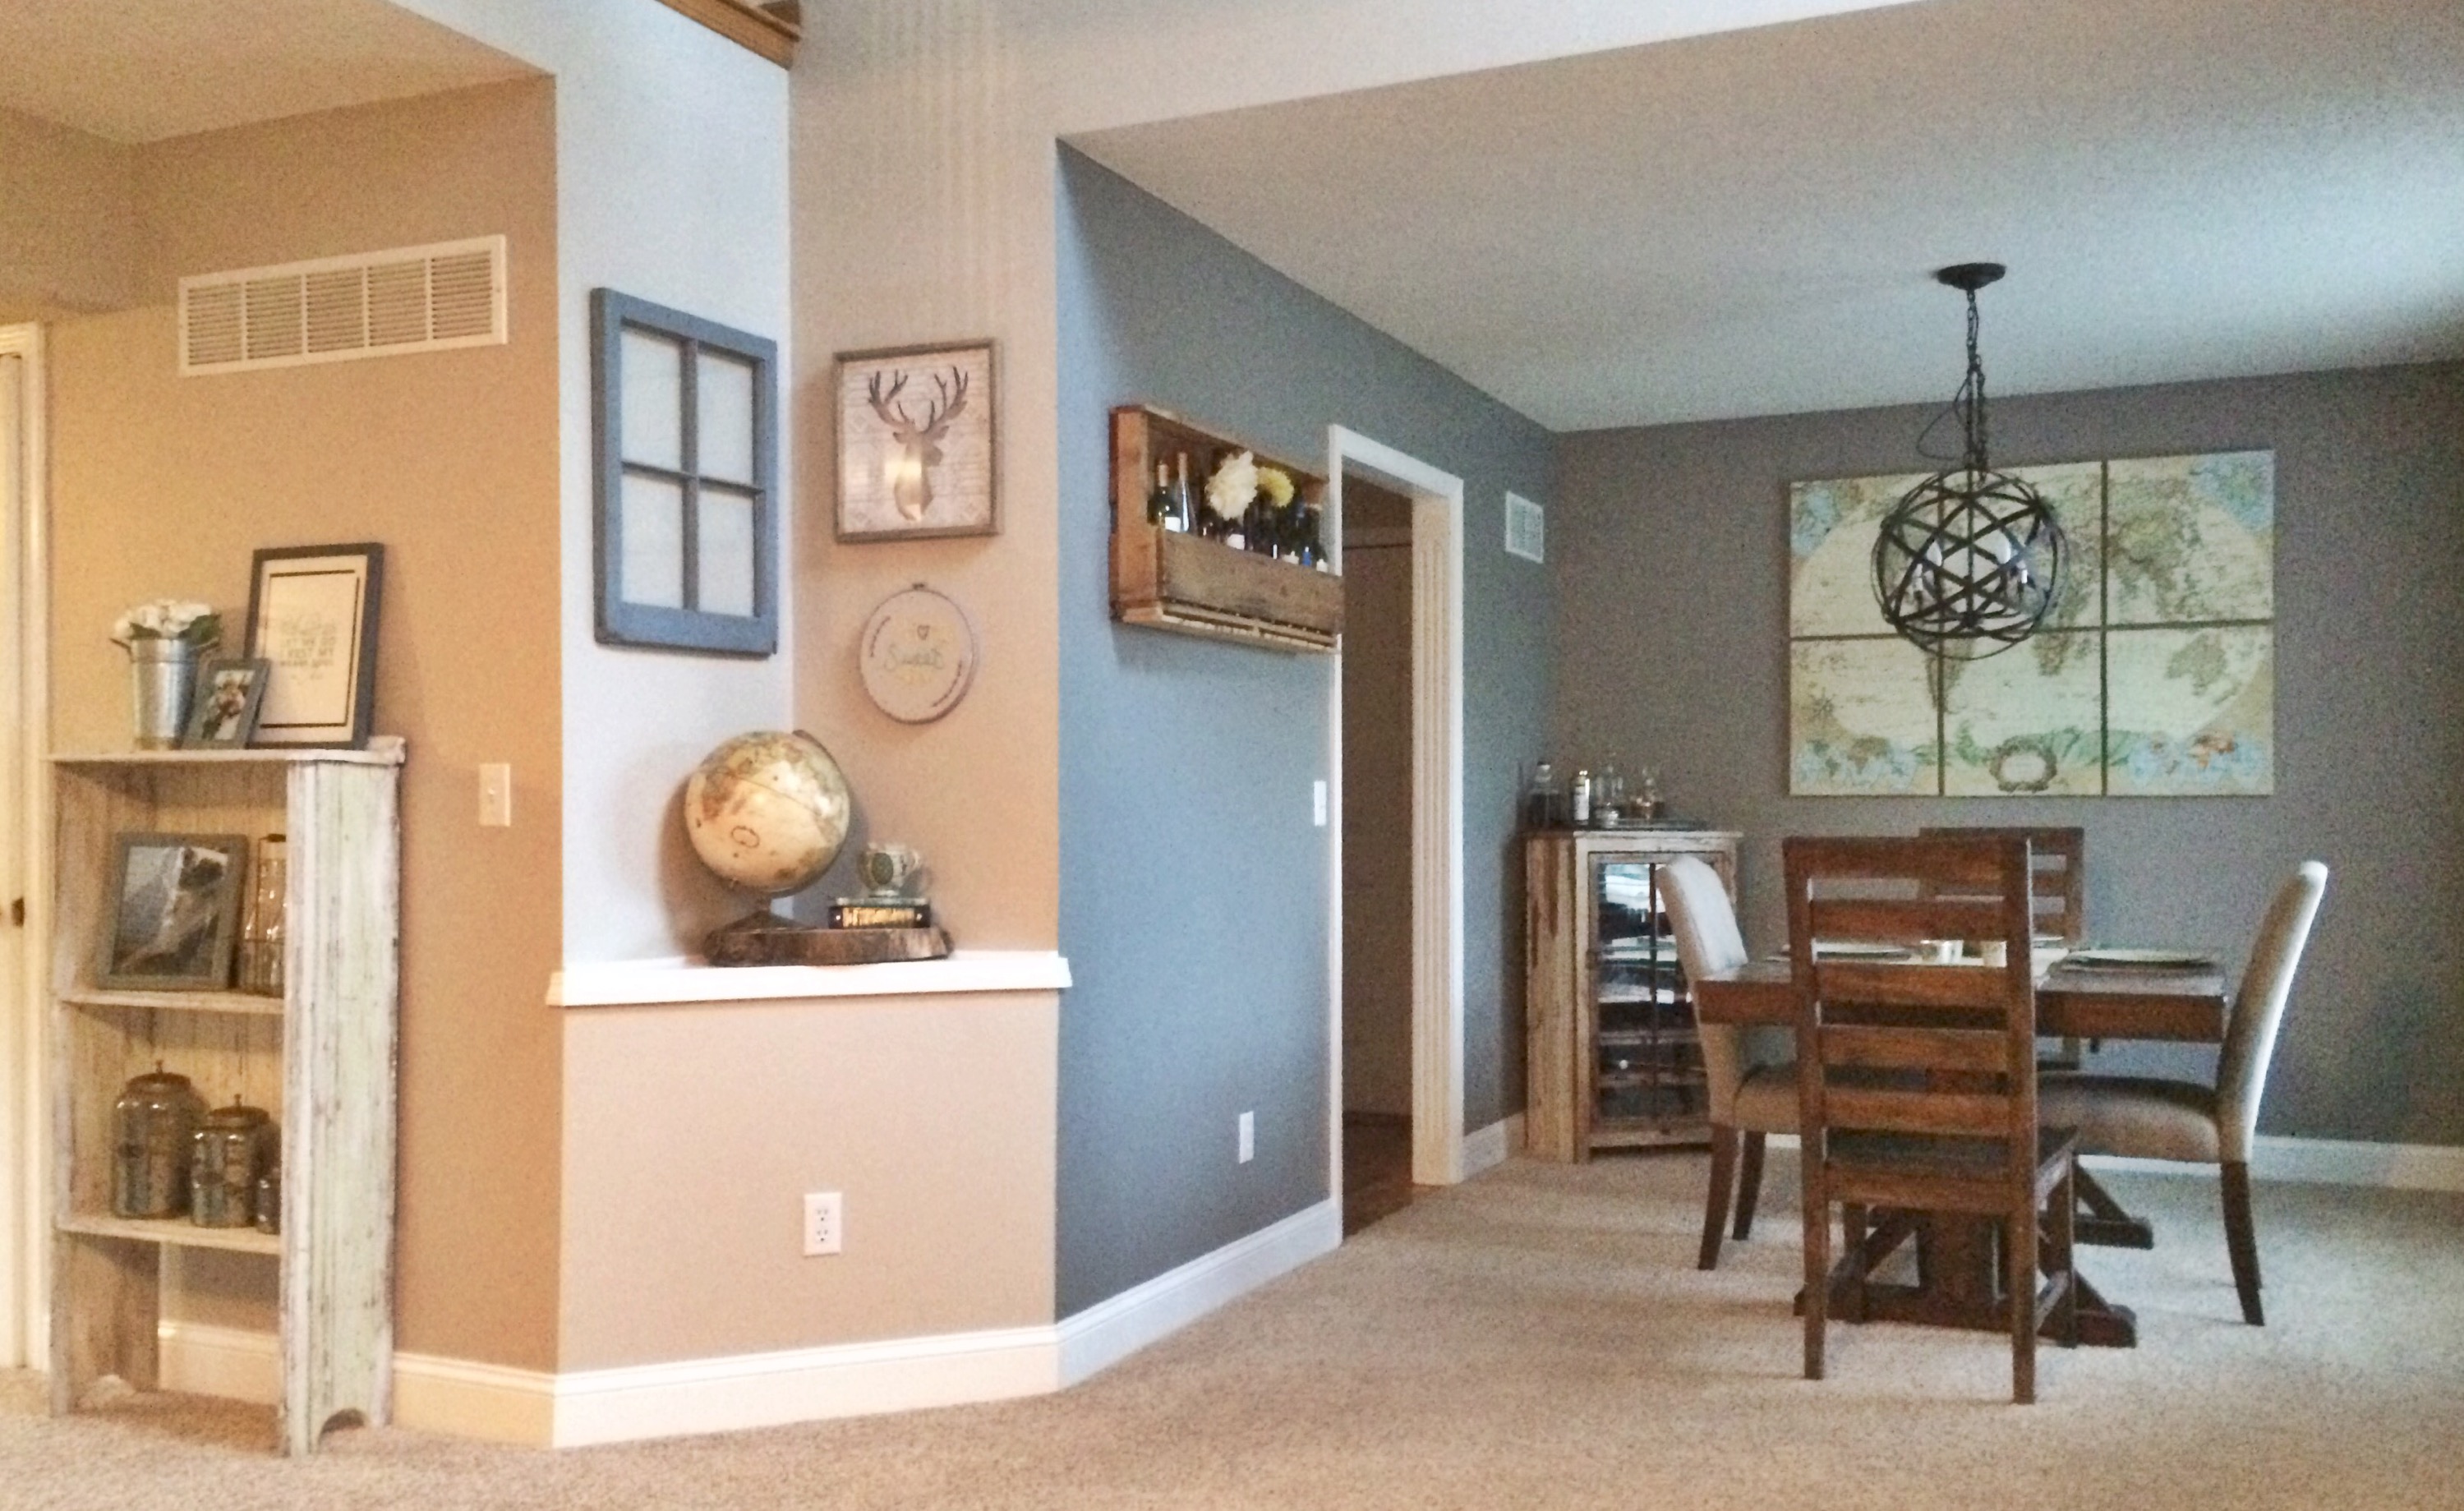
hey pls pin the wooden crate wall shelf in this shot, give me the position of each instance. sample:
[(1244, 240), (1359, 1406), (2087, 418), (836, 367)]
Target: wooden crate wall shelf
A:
[(770, 29), (1183, 582)]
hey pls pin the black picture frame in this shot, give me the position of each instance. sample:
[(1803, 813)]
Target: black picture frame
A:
[(313, 613), (670, 615), (172, 923), (231, 693)]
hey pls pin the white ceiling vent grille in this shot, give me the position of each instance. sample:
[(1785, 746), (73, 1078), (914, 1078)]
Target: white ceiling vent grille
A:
[(373, 304)]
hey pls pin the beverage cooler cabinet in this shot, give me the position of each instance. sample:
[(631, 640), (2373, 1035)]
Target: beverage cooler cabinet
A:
[(1615, 1061)]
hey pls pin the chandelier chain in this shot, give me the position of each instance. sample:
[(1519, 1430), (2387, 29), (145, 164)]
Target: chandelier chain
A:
[(1972, 416)]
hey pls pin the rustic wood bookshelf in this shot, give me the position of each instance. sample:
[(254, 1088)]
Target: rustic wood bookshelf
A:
[(320, 1059)]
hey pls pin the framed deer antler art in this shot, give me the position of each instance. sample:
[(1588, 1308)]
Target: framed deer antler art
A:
[(916, 442)]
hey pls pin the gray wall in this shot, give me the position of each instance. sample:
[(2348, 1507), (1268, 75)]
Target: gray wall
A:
[(1674, 615), (1194, 903)]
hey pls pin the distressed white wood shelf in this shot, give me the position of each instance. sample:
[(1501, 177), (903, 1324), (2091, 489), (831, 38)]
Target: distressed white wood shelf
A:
[(172, 1233), (175, 1001), (320, 1057)]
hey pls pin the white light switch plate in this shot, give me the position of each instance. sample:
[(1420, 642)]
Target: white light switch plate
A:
[(1249, 1137), (496, 794), (1317, 802)]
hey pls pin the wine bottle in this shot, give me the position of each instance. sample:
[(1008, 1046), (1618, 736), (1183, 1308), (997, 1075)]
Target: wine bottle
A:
[(1159, 502), (1184, 508)]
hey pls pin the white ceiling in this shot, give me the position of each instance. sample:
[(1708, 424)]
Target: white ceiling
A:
[(1747, 223), (142, 70)]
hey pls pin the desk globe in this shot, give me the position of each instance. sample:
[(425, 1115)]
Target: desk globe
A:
[(767, 812)]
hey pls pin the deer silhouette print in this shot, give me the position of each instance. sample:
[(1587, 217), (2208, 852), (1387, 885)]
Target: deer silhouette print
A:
[(909, 470)]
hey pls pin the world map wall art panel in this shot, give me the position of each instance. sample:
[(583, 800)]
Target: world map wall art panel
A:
[(2153, 676)]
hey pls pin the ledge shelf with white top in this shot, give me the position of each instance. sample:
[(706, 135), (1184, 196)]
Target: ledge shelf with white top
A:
[(320, 1059)]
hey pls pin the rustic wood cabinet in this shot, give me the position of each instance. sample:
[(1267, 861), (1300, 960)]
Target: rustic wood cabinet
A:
[(320, 1057), (1614, 1059), (1169, 581)]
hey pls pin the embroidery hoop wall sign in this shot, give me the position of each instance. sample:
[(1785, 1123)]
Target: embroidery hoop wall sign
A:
[(917, 654)]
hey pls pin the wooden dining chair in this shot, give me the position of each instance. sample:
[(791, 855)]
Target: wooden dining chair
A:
[(2058, 876), (1917, 1082), (2147, 1117), (1747, 1102), (2058, 855)]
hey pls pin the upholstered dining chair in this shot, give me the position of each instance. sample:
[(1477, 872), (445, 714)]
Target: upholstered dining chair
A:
[(2147, 1117), (1747, 1101)]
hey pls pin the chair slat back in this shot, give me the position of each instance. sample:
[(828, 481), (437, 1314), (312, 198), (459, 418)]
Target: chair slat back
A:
[(1915, 1048), (2057, 856)]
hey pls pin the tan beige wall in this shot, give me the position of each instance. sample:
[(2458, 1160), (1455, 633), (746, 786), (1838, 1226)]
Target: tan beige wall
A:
[(68, 220), (164, 485), (932, 1116)]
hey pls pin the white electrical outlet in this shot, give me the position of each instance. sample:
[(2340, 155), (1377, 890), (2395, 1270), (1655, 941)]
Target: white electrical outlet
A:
[(496, 794), (823, 1231), (1317, 803), (1249, 1137)]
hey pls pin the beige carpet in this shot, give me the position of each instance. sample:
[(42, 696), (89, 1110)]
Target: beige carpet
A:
[(1538, 1338)]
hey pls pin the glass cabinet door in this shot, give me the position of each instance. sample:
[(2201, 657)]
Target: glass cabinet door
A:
[(1647, 1064)]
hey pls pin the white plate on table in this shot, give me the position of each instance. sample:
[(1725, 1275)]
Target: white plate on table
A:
[(2123, 959), (1861, 950)]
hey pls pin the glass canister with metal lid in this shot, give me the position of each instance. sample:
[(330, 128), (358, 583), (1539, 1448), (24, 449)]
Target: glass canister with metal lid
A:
[(230, 1147), (151, 1124)]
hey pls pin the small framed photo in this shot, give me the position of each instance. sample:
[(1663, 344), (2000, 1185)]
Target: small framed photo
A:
[(917, 444), (174, 906), (231, 690), (312, 615)]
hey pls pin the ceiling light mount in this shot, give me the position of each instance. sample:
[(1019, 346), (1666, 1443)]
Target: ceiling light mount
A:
[(1969, 561)]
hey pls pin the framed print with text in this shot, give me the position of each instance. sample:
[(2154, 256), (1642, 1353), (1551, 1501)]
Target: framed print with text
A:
[(312, 614)]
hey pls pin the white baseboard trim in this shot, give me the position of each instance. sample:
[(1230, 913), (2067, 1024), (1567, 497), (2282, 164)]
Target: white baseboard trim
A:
[(1112, 1329), (1486, 1148), (2316, 1161), (452, 1396), (2328, 1162), (231, 1361), (461, 1398), (801, 1385)]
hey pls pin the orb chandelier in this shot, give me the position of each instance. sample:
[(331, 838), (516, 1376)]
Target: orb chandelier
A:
[(1969, 560)]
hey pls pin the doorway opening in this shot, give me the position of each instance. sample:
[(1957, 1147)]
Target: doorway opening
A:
[(1432, 805), (23, 915), (1375, 544)]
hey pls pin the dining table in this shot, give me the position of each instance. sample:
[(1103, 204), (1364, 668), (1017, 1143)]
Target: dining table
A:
[(1958, 1281)]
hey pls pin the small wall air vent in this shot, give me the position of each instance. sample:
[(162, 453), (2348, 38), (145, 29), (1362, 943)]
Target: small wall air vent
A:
[(371, 304), (1523, 527)]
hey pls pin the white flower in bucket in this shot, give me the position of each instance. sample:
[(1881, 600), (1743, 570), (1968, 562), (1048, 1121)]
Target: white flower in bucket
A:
[(169, 619), (165, 639)]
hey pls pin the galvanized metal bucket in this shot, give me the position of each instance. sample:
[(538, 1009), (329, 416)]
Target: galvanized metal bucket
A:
[(164, 673)]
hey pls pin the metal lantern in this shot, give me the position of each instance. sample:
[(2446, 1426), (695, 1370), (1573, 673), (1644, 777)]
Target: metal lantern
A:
[(1969, 561)]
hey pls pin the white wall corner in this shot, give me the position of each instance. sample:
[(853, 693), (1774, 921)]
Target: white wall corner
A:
[(1112, 1329)]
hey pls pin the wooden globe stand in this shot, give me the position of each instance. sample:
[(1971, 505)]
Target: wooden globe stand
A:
[(763, 938)]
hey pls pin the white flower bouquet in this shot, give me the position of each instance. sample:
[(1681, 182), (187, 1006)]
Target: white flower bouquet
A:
[(169, 619), (1234, 484)]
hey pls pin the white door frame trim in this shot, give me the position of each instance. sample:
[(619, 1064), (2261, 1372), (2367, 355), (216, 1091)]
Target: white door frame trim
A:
[(1437, 810), (24, 1230)]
